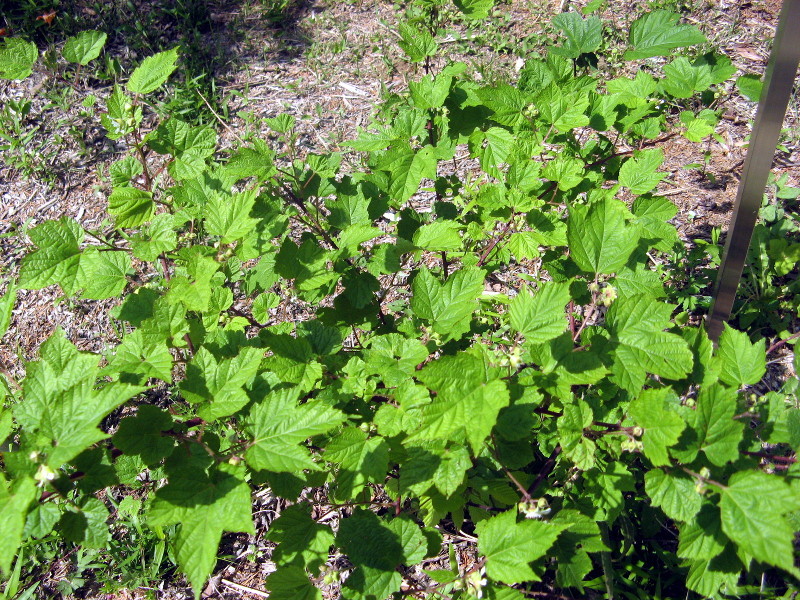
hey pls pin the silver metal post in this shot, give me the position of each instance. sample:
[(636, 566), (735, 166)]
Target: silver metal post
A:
[(778, 83)]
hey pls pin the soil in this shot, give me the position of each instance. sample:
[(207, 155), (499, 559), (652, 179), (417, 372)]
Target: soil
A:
[(327, 63)]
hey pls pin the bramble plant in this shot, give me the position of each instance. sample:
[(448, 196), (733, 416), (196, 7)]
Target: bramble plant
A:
[(567, 424)]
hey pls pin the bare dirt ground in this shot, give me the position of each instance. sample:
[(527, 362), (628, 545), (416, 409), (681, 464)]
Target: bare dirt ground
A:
[(326, 62)]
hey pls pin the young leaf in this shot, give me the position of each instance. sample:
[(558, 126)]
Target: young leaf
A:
[(300, 539), (291, 583), (131, 206), (407, 168), (713, 428), (204, 505), (475, 9), (142, 435), (740, 361), (416, 43), (583, 35), (599, 237), (7, 302), (752, 506), (361, 461), (511, 547), (153, 72), (639, 172), (640, 345), (675, 493), (57, 259), (278, 424), (540, 317), (662, 426), (16, 498), (17, 58), (657, 32), (448, 306), (84, 47), (750, 87)]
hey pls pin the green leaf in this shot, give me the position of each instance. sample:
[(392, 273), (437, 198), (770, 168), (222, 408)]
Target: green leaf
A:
[(639, 172), (540, 317), (564, 110), (491, 147), (394, 358), (157, 237), (752, 508), (468, 408), (16, 498), (511, 547), (142, 435), (84, 47), (85, 524), (300, 539), (675, 493), (153, 72), (740, 361), (407, 168), (448, 306), (683, 78), (416, 43), (204, 505), (662, 426), (57, 259), (229, 216), (291, 583), (439, 236), (657, 33), (750, 87), (62, 404), (434, 464), (103, 274), (361, 461), (507, 102), (702, 537), (599, 237), (641, 346), (17, 58), (131, 206), (278, 424), (583, 35), (143, 355), (565, 170), (475, 9), (219, 383), (189, 146), (715, 430), (7, 302)]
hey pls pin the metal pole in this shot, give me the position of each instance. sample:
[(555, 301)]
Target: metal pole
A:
[(778, 83)]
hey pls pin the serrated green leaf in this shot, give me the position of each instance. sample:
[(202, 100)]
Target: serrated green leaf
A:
[(361, 461), (407, 168), (511, 547), (583, 35), (85, 524), (300, 539), (84, 47), (474, 9), (131, 206), (662, 427), (599, 237), (278, 425), (17, 57), (142, 435), (469, 409), (434, 464), (153, 72), (565, 170), (448, 306), (702, 537), (230, 216), (639, 172), (675, 493), (219, 383), (641, 346), (205, 505), (416, 43), (394, 358), (740, 361), (57, 259), (16, 498), (291, 583), (103, 274), (752, 506), (540, 317), (750, 87), (143, 355), (657, 33), (715, 430)]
